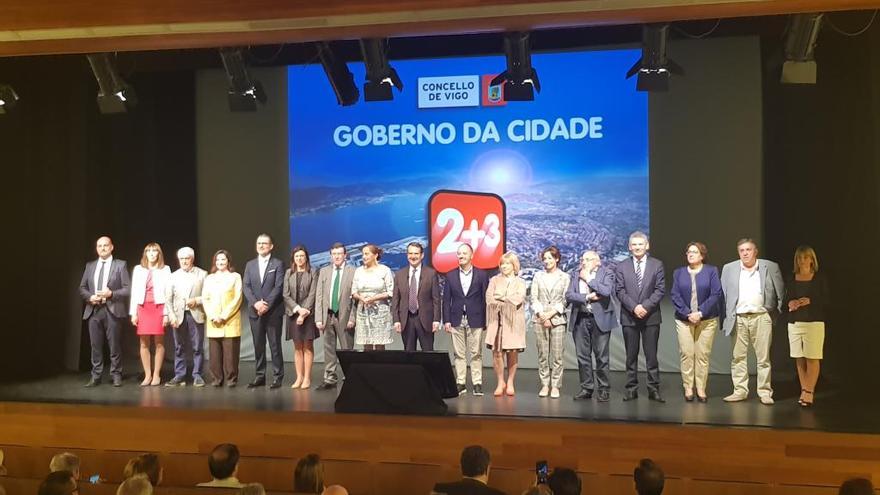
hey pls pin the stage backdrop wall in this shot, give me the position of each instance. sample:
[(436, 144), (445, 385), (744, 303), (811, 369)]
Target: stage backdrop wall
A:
[(703, 135)]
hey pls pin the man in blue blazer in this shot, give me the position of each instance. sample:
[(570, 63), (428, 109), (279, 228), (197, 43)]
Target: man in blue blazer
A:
[(263, 283), (464, 316), (105, 287), (590, 321), (640, 286), (753, 294)]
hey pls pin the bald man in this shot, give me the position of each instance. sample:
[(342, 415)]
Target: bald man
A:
[(105, 287)]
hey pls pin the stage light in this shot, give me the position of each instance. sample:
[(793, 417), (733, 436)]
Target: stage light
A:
[(520, 79), (8, 98), (655, 67), (114, 94), (381, 77), (243, 92), (340, 78), (800, 41)]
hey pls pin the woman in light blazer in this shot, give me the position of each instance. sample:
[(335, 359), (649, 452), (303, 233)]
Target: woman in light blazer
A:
[(300, 285), (506, 321), (221, 298), (149, 315), (548, 308), (696, 295)]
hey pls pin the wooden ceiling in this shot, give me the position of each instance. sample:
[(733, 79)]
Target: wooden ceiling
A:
[(77, 26)]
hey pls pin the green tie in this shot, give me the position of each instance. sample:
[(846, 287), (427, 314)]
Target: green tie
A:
[(334, 294)]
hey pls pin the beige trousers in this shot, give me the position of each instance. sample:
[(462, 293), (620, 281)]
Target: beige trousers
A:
[(753, 329), (467, 347), (695, 346)]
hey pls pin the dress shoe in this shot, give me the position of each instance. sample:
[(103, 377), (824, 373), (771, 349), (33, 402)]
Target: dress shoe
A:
[(197, 382), (325, 386), (628, 396), (604, 396), (584, 395), (93, 382), (176, 382), (276, 383), (735, 397), (689, 397), (554, 393), (767, 400), (478, 390), (545, 391), (461, 389), (117, 381), (702, 398), (257, 383), (655, 396)]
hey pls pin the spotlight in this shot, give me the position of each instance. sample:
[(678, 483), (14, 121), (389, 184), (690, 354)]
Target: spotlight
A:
[(114, 94), (800, 41), (8, 98), (380, 76), (520, 79), (341, 79), (654, 67), (243, 92)]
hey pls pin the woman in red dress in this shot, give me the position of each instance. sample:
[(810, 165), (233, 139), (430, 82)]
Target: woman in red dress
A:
[(148, 314)]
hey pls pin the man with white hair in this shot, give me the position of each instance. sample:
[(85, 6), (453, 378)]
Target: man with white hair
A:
[(136, 485), (65, 461), (187, 317)]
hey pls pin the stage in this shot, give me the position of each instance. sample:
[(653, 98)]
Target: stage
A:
[(833, 412)]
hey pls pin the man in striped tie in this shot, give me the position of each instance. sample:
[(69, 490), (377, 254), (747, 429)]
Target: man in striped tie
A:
[(415, 304), (641, 285)]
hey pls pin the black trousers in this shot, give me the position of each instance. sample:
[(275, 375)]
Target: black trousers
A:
[(267, 328), (414, 332), (589, 341), (649, 336), (104, 326)]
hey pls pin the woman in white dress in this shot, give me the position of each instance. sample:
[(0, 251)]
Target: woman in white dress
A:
[(371, 289)]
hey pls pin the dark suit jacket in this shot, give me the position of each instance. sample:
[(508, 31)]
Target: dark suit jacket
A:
[(466, 486), (709, 295), (428, 297), (270, 290), (603, 308), (455, 301), (629, 295), (118, 282)]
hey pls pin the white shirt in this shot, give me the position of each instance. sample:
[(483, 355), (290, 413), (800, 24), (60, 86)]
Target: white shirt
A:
[(107, 263), (751, 291), (466, 277), (264, 262)]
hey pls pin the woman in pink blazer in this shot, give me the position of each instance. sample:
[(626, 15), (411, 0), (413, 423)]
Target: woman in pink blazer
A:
[(506, 321)]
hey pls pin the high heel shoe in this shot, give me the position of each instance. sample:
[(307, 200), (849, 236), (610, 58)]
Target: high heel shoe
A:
[(689, 397), (156, 381), (805, 403), (510, 391)]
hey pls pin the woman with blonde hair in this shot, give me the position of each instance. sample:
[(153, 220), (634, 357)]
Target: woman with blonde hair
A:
[(149, 281), (807, 302), (506, 321)]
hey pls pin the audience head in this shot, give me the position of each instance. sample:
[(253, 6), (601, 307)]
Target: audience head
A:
[(475, 461), (648, 478), (223, 462), (856, 486), (136, 485), (252, 489), (147, 465), (538, 490), (564, 481), (65, 461), (58, 483), (335, 490), (805, 255), (308, 477)]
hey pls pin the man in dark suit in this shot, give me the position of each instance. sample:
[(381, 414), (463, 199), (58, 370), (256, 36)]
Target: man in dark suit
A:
[(475, 465), (415, 303), (263, 283), (464, 316), (590, 321), (640, 286), (105, 287)]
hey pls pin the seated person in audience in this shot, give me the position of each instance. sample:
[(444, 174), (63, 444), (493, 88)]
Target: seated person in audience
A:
[(146, 464), (475, 464), (138, 484), (308, 477), (223, 464), (65, 461), (856, 486), (2, 467), (564, 481), (538, 490), (252, 489), (58, 483), (335, 490), (648, 478)]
